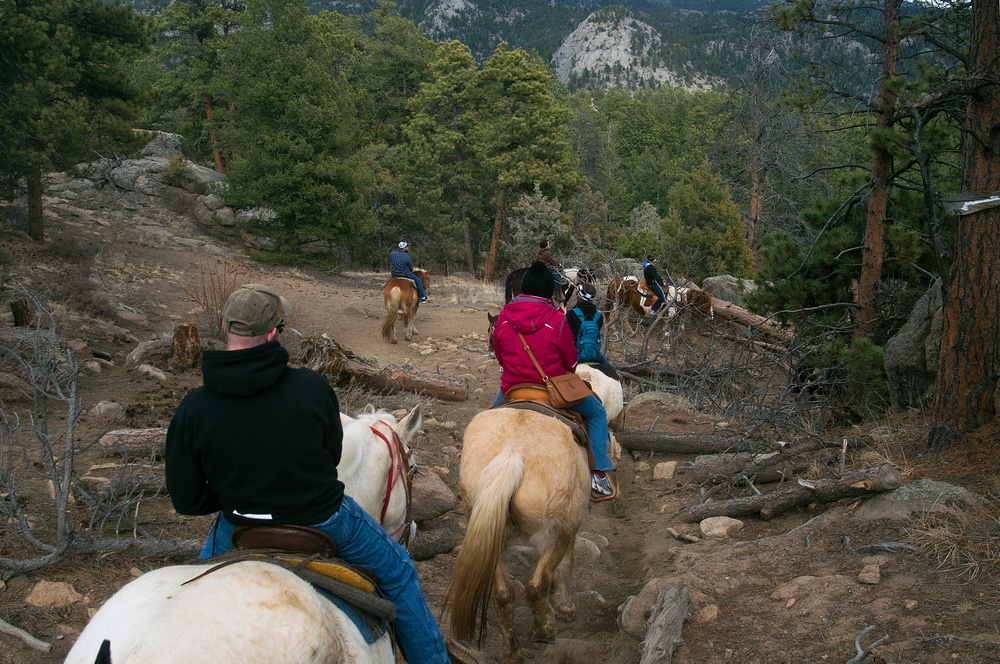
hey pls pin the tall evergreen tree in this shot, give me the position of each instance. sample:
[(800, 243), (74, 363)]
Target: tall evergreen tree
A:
[(296, 138), (524, 133), (64, 89), (442, 170)]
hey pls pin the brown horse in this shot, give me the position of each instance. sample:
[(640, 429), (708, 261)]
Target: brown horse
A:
[(521, 474), (624, 293), (560, 296), (632, 295), (400, 296)]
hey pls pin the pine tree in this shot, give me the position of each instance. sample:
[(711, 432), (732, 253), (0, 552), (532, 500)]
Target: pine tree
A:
[(64, 90)]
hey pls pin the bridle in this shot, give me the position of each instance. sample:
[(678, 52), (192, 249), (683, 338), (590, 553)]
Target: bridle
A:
[(398, 455)]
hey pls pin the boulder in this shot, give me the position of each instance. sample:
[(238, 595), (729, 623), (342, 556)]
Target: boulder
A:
[(914, 499), (719, 527), (635, 611), (729, 288), (52, 595), (431, 496), (163, 144), (911, 355)]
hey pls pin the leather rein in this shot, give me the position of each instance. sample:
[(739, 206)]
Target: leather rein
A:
[(398, 456)]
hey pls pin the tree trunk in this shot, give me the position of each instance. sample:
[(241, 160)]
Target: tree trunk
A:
[(878, 197), (770, 505), (729, 311), (969, 361), (36, 218), (491, 263), (211, 133), (758, 173), (467, 238), (681, 443)]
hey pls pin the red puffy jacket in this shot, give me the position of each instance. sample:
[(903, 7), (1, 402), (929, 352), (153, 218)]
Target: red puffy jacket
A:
[(547, 334)]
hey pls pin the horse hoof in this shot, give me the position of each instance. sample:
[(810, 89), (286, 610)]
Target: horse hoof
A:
[(565, 615)]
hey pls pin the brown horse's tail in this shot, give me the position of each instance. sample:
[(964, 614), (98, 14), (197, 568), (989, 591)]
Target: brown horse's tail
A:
[(471, 584), (391, 313)]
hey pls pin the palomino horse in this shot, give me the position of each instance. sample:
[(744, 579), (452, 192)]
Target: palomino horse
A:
[(400, 296), (254, 611), (521, 473)]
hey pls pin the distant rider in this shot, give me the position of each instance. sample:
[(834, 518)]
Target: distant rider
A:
[(545, 255), (401, 265), (586, 310), (654, 282)]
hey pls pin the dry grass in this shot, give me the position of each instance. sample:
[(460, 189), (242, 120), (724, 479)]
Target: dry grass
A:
[(216, 283), (964, 541)]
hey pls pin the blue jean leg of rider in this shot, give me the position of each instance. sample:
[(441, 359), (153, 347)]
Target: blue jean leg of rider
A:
[(660, 298), (556, 276), (597, 429), (419, 284), (362, 541)]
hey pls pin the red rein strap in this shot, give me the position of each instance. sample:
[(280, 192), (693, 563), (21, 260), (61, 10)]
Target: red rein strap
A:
[(398, 455)]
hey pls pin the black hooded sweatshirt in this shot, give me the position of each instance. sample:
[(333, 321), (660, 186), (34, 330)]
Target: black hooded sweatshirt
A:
[(259, 440)]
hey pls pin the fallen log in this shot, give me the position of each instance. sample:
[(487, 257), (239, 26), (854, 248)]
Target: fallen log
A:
[(448, 388), (731, 312), (767, 468), (147, 483), (663, 633), (134, 442), (683, 443), (722, 467), (341, 367), (870, 480)]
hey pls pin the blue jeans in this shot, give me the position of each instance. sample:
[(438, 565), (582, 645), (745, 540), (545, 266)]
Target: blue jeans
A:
[(362, 541), (597, 428), (556, 276), (416, 282), (660, 298)]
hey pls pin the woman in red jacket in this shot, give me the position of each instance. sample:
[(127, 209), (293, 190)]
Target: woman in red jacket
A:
[(550, 338)]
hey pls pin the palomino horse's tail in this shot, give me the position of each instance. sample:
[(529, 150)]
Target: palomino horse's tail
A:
[(391, 312), (471, 584)]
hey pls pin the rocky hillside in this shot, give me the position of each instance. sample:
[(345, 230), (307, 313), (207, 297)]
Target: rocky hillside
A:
[(613, 48)]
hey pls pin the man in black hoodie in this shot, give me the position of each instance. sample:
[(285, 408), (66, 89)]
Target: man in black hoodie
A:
[(260, 443)]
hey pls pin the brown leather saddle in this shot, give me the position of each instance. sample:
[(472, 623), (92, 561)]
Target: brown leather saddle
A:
[(310, 554)]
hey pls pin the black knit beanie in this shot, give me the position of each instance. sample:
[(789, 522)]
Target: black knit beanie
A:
[(538, 281)]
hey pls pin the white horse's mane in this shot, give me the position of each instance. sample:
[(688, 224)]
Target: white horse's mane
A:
[(371, 415)]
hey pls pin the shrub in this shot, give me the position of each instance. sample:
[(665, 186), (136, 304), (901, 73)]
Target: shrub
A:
[(178, 172)]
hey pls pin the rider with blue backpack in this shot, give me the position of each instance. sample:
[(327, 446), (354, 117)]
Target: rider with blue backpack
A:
[(586, 322)]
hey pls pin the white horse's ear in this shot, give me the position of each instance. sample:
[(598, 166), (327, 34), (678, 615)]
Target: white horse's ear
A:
[(410, 425)]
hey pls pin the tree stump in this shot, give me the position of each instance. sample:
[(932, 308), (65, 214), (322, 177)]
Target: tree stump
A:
[(186, 349), (24, 313)]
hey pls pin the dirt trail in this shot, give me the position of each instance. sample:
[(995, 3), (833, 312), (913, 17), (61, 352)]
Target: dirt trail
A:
[(764, 596)]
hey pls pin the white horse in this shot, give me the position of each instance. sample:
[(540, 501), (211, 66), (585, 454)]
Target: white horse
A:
[(254, 611), (608, 390)]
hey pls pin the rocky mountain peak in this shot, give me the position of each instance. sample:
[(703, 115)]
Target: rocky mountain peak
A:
[(613, 48)]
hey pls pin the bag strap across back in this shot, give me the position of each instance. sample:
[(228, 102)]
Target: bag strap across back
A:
[(532, 356)]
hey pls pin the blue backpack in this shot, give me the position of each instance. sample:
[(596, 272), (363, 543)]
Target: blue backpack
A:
[(588, 341)]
